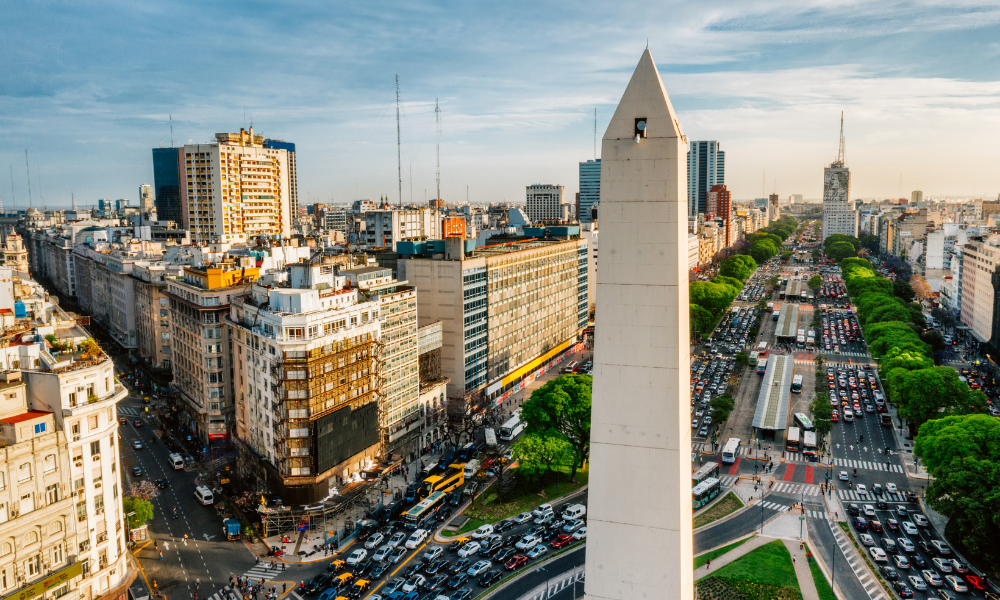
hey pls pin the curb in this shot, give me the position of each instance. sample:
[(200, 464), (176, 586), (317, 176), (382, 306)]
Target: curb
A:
[(447, 540), (525, 572)]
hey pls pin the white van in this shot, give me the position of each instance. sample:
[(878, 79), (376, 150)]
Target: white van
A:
[(575, 511), (204, 495), (176, 461), (471, 468)]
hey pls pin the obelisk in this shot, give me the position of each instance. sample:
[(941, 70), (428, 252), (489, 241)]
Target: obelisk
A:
[(639, 543)]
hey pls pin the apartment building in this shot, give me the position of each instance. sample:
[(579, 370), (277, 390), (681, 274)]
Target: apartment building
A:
[(547, 202), (980, 262), (385, 227), (235, 188), (15, 255), (152, 311), (507, 308), (839, 212), (105, 291), (200, 345)]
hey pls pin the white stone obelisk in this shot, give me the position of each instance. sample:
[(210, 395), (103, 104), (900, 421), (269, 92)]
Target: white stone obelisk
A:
[(639, 543)]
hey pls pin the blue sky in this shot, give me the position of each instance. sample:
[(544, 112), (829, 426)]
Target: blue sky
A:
[(87, 88)]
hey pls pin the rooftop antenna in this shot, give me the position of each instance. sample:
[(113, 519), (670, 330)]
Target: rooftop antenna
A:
[(841, 154), (27, 168), (595, 132), (437, 121), (399, 144), (171, 130)]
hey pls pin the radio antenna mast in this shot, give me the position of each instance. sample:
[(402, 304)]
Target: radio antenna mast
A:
[(437, 120), (842, 153), (399, 144), (27, 168), (595, 133)]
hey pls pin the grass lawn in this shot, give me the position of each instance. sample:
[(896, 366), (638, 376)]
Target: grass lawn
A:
[(727, 505), (701, 559), (771, 565), (822, 585), (498, 511)]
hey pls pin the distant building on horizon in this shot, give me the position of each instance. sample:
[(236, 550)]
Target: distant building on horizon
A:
[(547, 202), (706, 167), (167, 183), (590, 190), (293, 176)]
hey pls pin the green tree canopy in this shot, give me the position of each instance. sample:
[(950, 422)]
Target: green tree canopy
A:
[(838, 238), (932, 393), (730, 281), (888, 312), (840, 251), (822, 412), (739, 267), (143, 510), (762, 251), (720, 407), (902, 290), (713, 297), (869, 243), (537, 454), (962, 453), (815, 282), (741, 359), (702, 321), (562, 408)]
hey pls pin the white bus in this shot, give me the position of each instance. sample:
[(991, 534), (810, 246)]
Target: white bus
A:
[(809, 443), (792, 439), (511, 429), (800, 339), (797, 384), (731, 450)]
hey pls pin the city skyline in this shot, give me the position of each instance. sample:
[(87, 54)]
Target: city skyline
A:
[(767, 81)]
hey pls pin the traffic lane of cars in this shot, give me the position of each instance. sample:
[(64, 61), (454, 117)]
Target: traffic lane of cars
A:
[(710, 377)]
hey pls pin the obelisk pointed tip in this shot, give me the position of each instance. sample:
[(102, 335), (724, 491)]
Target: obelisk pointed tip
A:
[(644, 97)]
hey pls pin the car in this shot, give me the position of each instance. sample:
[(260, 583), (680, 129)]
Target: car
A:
[(545, 518), (137, 471), (917, 583), (906, 544), (489, 578), (959, 566), (875, 526), (580, 533), (694, 423), (942, 565), (459, 566), (416, 538), (318, 582), (860, 523), (479, 568), (921, 520), (358, 589), (503, 526), (956, 584), (414, 583), (470, 549), (382, 553), (892, 525), (861, 489), (374, 540), (522, 518), (138, 423), (889, 573), (433, 567), (397, 538), (137, 444), (975, 581), (703, 432), (878, 554), (458, 580), (902, 589), (877, 489), (393, 586), (527, 542), (909, 528), (854, 510), (537, 551), (919, 561), (869, 510), (462, 594), (377, 571), (571, 526), (867, 540), (562, 540), (926, 548), (901, 511), (516, 562), (357, 556), (940, 547), (396, 554), (891, 488), (932, 578), (900, 561), (161, 483), (844, 476), (122, 421), (503, 555), (542, 509), (881, 504)]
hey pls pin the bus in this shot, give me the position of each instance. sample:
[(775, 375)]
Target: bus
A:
[(792, 439), (762, 366), (704, 492), (570, 367), (800, 339), (781, 292), (709, 470), (762, 350), (753, 358), (809, 443), (797, 384), (770, 307), (511, 429), (731, 450), (453, 477), (803, 421), (424, 511)]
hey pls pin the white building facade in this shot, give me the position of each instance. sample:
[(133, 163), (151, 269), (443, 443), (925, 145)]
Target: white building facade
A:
[(839, 212)]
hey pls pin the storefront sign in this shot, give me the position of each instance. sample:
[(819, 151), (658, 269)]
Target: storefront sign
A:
[(54, 580)]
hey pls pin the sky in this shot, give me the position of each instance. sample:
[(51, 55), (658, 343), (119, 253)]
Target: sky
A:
[(89, 88)]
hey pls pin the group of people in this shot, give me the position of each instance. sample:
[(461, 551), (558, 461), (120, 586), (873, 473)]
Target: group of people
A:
[(249, 589)]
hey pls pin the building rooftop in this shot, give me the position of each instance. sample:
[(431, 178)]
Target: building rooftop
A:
[(25, 416)]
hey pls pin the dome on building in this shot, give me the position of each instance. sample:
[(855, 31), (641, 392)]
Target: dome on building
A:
[(32, 212)]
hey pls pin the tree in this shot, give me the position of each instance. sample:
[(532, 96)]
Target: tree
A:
[(932, 393), (761, 304), (869, 243), (962, 453), (536, 454), (713, 297), (819, 359), (742, 359), (943, 316), (762, 251), (143, 490), (903, 291), (822, 412), (840, 238), (729, 281), (702, 321), (738, 267), (720, 407), (143, 510), (921, 289), (815, 282), (562, 407), (840, 251)]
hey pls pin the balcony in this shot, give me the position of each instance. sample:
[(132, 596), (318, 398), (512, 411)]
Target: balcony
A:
[(118, 393)]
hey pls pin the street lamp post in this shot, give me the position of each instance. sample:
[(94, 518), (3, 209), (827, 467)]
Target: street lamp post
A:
[(548, 578)]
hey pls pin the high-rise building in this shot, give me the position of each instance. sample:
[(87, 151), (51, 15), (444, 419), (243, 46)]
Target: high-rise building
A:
[(547, 203), (387, 226), (167, 183), (916, 196), (145, 198), (293, 174), (719, 205), (590, 189), (839, 212), (235, 188), (706, 167)]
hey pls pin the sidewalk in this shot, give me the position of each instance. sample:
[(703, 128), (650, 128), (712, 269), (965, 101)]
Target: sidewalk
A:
[(725, 559), (802, 572)]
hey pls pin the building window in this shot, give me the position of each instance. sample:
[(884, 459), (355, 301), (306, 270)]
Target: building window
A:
[(92, 422), (33, 565), (49, 463), (55, 527), (99, 504), (95, 448), (39, 428), (29, 538), (24, 472)]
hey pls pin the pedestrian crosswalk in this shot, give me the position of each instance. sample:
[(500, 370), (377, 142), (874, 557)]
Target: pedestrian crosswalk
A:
[(797, 488), (866, 464), (815, 514), (728, 480), (871, 586), (128, 411), (775, 506), (868, 496), (255, 576)]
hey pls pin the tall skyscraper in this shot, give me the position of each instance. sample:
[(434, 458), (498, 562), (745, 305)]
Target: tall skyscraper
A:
[(640, 542), (167, 183), (293, 174), (145, 197), (706, 167), (235, 189), (839, 213), (547, 202), (719, 206), (590, 189)]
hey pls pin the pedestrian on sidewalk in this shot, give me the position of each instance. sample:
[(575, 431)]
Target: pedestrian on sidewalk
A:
[(161, 555), (793, 560), (708, 564), (284, 586)]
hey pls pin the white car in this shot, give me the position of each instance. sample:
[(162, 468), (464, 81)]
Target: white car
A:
[(942, 565), (956, 584), (891, 488), (861, 489), (357, 556), (413, 583), (396, 539), (382, 552), (527, 543), (522, 518), (908, 528), (580, 533), (921, 520), (479, 568), (917, 583), (469, 549), (867, 540), (906, 544), (843, 476), (878, 554), (538, 551), (542, 509), (869, 510), (374, 541), (932, 578), (483, 532), (416, 538), (545, 518), (901, 562), (433, 553)]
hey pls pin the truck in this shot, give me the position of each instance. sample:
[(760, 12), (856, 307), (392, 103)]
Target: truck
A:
[(886, 420), (232, 529)]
